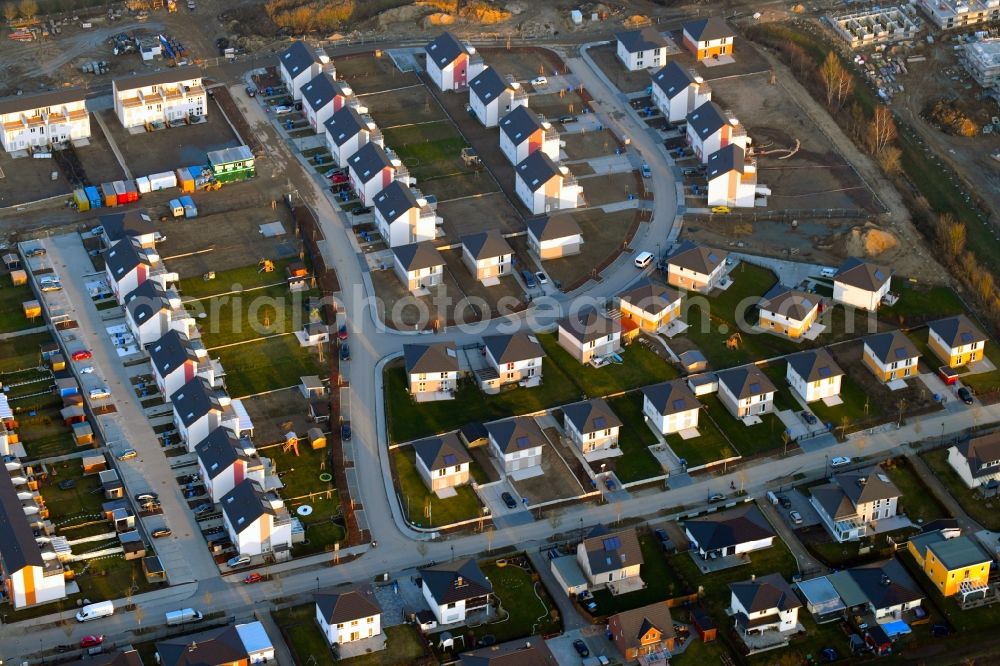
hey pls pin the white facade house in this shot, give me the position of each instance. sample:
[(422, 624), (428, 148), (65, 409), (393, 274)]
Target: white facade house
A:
[(732, 178), (890, 356), (491, 97), (450, 63), (670, 407), (404, 216), (853, 503), (554, 236), (517, 444), (199, 409), (418, 265), (609, 558), (736, 531), (711, 129), (977, 460), (695, 267), (677, 92), (151, 311), (297, 65), (176, 360), (861, 285), (522, 132), (708, 38), (442, 462), (746, 391), (884, 589), (224, 461), (31, 571), (347, 616), (127, 265), (515, 358), (322, 97), (257, 521), (587, 334), (488, 256), (347, 131), (764, 604), (641, 49), (455, 589), (431, 370), (814, 375), (41, 119), (593, 428), (544, 186), (372, 169), (170, 96)]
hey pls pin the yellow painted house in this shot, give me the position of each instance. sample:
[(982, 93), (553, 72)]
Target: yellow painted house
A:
[(651, 305), (788, 312), (956, 566), (956, 341), (891, 356)]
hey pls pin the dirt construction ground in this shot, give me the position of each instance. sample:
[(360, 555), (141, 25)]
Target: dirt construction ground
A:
[(472, 214), (402, 106), (367, 74)]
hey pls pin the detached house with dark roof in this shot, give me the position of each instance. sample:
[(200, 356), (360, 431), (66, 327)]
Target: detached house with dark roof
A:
[(643, 633), (532, 651), (151, 311), (814, 375), (593, 427), (642, 49), (199, 409), (323, 96), (451, 64), (30, 576), (732, 178), (853, 504), (41, 119), (957, 565), (238, 645), (523, 132), (737, 531), (611, 559), (348, 615), (696, 268), (257, 521), (488, 256), (677, 92), (224, 461), (347, 130), (545, 186), (891, 356), (127, 265), (136, 223), (176, 360), (418, 265), (788, 312), (372, 169), (403, 216), (977, 460), (956, 341), (554, 236), (746, 391), (587, 334), (883, 589), (492, 96), (517, 443), (764, 605), (297, 65), (670, 407), (711, 129), (454, 589), (708, 38), (431, 370), (861, 285), (650, 304), (514, 358), (443, 463)]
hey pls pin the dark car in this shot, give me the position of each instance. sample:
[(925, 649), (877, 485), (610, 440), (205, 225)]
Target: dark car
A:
[(509, 500), (581, 648), (830, 654), (661, 534), (345, 352), (965, 395), (67, 484), (345, 432), (610, 483), (529, 279), (940, 630), (35, 252), (361, 211), (567, 119), (808, 418), (342, 333), (784, 502), (251, 92)]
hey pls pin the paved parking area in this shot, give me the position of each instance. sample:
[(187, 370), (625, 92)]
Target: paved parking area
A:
[(801, 504), (593, 636), (502, 516)]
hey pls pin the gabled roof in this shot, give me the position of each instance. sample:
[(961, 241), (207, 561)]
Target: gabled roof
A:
[(488, 85), (209, 648), (588, 325), (608, 551), (130, 657), (433, 357), (146, 300), (891, 347), (194, 400), (729, 528), (791, 303), (417, 256), (297, 58), (444, 49), (123, 257), (672, 79), (651, 297), (537, 169), (486, 244), (864, 486), (519, 124), (981, 453), (175, 75), (519, 433), (395, 200), (643, 39), (369, 161), (245, 503), (136, 222), (746, 381), (513, 347), (707, 30), (591, 416), (636, 623), (18, 548), (451, 582), (345, 124), (355, 603), (707, 119), (957, 331), (531, 651), (814, 365), (219, 451), (697, 258), (861, 274), (834, 502), (881, 584), (725, 160), (673, 397), (323, 89), (39, 100), (765, 593), (171, 351), (552, 227), (441, 451)]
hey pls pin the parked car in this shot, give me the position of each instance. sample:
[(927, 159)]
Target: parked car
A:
[(87, 369), (147, 497), (35, 252), (67, 484), (81, 355), (345, 432), (253, 578), (610, 483), (581, 648), (840, 461), (509, 500), (784, 502), (251, 92), (661, 534), (127, 454), (716, 497), (345, 352), (567, 119), (160, 532), (238, 561), (91, 641), (646, 172), (542, 277), (342, 333), (529, 279), (51, 286), (720, 210), (100, 393), (808, 417), (539, 81), (940, 630), (830, 655), (202, 508), (796, 517), (965, 395)]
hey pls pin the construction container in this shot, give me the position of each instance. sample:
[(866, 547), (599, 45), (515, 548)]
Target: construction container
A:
[(81, 200), (18, 277), (108, 195), (94, 196), (176, 208), (162, 180), (57, 363), (184, 180), (142, 183), (119, 186), (190, 210), (131, 191)]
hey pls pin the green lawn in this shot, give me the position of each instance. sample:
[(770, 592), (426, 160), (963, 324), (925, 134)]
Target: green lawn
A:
[(266, 365), (415, 496), (984, 382), (918, 304), (11, 313), (983, 511), (917, 502), (305, 639), (77, 504), (634, 440), (22, 351), (404, 646), (783, 398), (235, 279), (698, 653), (44, 435), (641, 367), (430, 150), (519, 596), (239, 317), (409, 420), (853, 407), (662, 582), (746, 440), (710, 444), (300, 476)]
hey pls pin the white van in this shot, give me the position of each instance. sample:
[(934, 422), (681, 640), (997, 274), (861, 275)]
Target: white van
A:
[(94, 611), (643, 259), (828, 272)]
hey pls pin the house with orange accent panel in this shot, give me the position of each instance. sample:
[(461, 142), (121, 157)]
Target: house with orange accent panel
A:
[(956, 341), (651, 305), (644, 631), (30, 576), (372, 169), (711, 129), (788, 312), (450, 63), (257, 521), (708, 38), (890, 356), (732, 178), (523, 131)]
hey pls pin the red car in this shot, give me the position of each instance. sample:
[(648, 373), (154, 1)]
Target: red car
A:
[(82, 355), (253, 578), (338, 178), (91, 641)]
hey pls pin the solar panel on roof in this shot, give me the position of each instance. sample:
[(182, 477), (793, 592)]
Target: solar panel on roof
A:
[(600, 422), (522, 442), (901, 353), (878, 275), (966, 337), (824, 372), (449, 459), (754, 387), (612, 544), (679, 405), (712, 257)]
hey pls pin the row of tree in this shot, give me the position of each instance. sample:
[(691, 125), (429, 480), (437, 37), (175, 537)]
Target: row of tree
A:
[(26, 9)]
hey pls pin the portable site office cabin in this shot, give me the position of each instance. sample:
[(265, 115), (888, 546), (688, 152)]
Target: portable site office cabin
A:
[(232, 164)]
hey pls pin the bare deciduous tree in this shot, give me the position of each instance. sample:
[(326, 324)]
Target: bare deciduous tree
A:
[(9, 11), (29, 9), (881, 130), (837, 81)]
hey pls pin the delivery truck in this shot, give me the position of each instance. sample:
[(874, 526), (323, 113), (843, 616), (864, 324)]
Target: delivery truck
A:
[(183, 616), (95, 611)]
